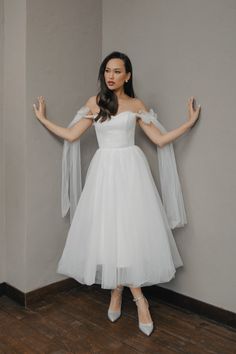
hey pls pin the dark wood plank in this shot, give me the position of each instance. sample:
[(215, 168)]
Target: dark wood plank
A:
[(75, 321)]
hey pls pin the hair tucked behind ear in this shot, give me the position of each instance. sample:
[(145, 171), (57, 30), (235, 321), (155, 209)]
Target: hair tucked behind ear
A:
[(106, 99)]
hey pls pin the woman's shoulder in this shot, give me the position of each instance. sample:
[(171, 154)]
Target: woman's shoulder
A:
[(139, 105), (92, 105)]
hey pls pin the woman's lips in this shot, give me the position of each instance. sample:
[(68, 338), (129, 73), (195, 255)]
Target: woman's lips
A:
[(111, 83)]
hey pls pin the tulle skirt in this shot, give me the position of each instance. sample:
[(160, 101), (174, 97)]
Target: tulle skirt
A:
[(119, 233)]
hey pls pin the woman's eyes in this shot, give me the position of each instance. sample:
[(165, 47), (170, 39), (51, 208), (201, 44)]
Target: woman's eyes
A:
[(117, 72)]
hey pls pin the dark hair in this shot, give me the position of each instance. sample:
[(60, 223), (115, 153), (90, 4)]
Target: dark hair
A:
[(106, 99)]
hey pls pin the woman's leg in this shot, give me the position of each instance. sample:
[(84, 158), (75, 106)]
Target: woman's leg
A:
[(142, 306), (116, 295)]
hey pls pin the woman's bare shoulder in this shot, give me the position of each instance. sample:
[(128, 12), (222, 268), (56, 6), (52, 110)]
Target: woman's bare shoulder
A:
[(139, 105), (92, 104)]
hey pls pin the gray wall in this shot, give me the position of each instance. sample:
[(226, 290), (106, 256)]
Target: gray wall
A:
[(58, 52), (63, 53), (178, 49), (2, 155), (15, 143)]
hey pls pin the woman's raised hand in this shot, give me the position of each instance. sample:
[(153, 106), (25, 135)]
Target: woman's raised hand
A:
[(193, 114), (40, 112)]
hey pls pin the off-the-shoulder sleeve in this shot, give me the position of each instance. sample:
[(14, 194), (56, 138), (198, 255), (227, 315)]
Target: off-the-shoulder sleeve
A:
[(71, 187), (171, 192)]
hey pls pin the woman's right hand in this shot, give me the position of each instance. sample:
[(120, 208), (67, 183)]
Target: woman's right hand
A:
[(193, 114), (40, 112)]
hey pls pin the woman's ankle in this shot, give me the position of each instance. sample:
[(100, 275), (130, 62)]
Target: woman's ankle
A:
[(136, 292)]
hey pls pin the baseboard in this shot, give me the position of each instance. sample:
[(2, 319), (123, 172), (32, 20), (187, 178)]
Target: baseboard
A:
[(169, 296), (26, 299), (2, 289), (39, 294), (199, 307)]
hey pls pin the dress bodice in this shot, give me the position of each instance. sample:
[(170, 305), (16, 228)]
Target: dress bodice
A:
[(117, 132)]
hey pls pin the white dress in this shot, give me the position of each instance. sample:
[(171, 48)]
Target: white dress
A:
[(119, 233)]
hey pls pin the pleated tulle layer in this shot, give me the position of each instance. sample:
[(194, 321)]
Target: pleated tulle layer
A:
[(119, 233)]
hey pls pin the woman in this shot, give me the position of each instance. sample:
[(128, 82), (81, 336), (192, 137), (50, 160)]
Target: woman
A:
[(120, 233)]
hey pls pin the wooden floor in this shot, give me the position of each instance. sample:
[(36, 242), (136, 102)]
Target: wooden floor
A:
[(76, 322)]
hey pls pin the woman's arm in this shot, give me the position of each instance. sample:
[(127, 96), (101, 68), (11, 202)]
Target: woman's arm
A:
[(161, 139), (70, 134)]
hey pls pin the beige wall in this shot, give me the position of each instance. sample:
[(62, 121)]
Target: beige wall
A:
[(178, 49)]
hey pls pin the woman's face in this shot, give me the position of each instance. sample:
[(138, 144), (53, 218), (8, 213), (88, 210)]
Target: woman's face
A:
[(115, 74)]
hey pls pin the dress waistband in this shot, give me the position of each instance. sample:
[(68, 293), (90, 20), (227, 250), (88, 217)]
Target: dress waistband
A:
[(116, 147)]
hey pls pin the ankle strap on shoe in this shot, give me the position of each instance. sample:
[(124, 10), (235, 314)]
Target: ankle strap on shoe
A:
[(138, 298)]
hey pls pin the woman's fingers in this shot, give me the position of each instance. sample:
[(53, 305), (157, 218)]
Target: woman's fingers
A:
[(40, 108), (41, 100), (193, 113), (41, 103), (190, 105), (35, 107)]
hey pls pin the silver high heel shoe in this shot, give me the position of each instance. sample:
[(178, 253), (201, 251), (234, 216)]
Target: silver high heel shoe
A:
[(114, 315), (146, 328)]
